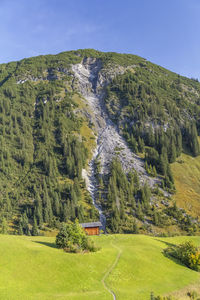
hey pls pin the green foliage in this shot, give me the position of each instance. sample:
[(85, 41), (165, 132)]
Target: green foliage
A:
[(42, 152), (35, 228), (123, 190), (72, 238), (191, 138), (149, 104), (187, 253), (4, 226)]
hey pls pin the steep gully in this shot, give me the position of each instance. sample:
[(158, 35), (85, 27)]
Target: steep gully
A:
[(91, 82)]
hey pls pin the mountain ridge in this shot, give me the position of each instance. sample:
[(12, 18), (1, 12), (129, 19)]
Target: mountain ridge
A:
[(52, 110)]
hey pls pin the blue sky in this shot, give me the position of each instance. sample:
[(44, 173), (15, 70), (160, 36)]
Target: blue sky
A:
[(163, 31)]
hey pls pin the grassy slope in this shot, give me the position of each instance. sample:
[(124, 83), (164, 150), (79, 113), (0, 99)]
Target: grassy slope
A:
[(32, 269), (186, 173), (143, 268)]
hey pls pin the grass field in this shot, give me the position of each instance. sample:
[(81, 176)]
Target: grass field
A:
[(32, 268), (186, 173)]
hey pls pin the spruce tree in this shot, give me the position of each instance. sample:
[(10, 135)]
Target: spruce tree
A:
[(35, 227), (139, 212), (20, 229), (135, 227), (172, 153), (4, 226)]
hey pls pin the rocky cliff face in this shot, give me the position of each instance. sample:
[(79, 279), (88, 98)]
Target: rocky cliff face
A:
[(91, 82)]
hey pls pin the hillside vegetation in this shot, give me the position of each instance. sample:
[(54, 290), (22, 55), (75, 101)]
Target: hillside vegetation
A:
[(186, 172), (47, 137), (32, 268)]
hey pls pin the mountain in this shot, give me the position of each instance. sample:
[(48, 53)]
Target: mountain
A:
[(87, 134)]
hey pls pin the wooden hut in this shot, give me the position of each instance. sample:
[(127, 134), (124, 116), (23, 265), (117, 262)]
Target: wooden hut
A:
[(92, 228)]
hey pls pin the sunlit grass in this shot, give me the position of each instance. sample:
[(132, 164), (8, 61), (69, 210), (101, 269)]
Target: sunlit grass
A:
[(186, 173), (32, 268)]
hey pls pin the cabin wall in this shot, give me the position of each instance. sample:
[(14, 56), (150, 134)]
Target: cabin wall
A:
[(92, 230)]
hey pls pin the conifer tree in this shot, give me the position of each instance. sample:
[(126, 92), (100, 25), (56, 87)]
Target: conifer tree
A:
[(172, 153), (135, 227), (4, 226), (56, 205), (154, 173), (20, 229), (35, 227), (139, 212)]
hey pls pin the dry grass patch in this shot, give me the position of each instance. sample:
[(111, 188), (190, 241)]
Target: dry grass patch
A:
[(183, 294), (186, 171)]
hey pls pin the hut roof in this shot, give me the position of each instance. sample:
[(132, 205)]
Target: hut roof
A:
[(91, 224)]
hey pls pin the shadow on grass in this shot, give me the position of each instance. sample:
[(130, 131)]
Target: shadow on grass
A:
[(166, 243), (52, 245), (175, 260)]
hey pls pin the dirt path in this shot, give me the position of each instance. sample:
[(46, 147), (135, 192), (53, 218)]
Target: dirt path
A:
[(110, 269)]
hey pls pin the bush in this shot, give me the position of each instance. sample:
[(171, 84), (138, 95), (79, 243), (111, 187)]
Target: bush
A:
[(72, 238), (187, 253)]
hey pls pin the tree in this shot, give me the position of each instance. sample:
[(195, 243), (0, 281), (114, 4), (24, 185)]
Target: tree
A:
[(20, 229), (72, 238), (154, 173), (172, 153), (140, 145), (35, 228), (187, 253), (135, 227), (4, 226), (139, 212)]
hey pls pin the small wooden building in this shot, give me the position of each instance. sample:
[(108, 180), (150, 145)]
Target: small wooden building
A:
[(92, 228)]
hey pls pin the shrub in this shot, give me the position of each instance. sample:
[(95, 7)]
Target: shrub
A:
[(72, 238), (187, 253)]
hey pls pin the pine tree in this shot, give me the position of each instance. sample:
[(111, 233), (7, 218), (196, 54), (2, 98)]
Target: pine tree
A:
[(139, 212), (150, 169), (35, 228), (72, 211), (178, 142), (135, 227), (155, 218), (169, 174), (172, 153), (163, 164), (147, 191), (4, 226), (56, 205), (122, 211), (140, 145), (154, 173), (151, 137), (20, 229), (48, 214), (66, 212), (80, 213), (38, 205)]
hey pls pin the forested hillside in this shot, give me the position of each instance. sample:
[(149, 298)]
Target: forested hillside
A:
[(48, 136), (42, 152)]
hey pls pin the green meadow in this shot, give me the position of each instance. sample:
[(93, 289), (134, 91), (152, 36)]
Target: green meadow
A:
[(129, 265)]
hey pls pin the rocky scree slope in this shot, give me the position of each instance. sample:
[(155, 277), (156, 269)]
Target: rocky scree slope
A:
[(92, 80), (91, 84)]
